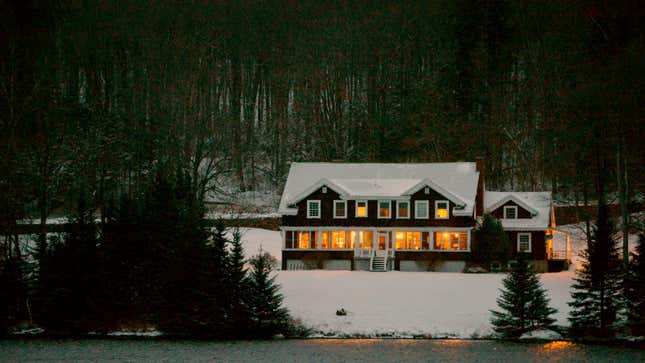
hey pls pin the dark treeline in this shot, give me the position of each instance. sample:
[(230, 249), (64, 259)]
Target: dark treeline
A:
[(151, 264)]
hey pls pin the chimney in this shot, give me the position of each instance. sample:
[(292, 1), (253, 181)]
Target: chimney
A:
[(479, 199)]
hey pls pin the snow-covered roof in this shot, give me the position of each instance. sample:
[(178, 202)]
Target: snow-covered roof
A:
[(456, 181), (538, 203)]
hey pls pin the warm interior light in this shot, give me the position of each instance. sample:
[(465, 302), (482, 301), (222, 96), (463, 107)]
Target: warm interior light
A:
[(399, 234), (445, 234), (442, 213)]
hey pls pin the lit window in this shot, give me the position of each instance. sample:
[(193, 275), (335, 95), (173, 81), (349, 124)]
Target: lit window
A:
[(384, 209), (361, 208), (340, 209), (325, 240), (451, 241), (523, 242), (441, 209), (510, 212), (399, 240), (350, 239), (366, 239), (303, 239), (313, 209), (402, 209), (421, 209), (407, 240), (338, 239)]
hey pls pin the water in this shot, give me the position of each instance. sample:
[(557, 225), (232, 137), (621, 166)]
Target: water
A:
[(315, 350)]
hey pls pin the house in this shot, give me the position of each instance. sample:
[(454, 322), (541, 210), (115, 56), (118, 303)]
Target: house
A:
[(408, 217)]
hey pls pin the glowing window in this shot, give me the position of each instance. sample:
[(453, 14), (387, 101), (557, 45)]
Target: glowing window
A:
[(338, 240), (384, 209), (361, 208), (325, 240), (402, 209), (451, 241), (303, 239), (441, 209)]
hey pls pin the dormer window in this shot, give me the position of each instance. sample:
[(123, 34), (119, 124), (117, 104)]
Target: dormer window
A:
[(384, 209), (313, 209), (510, 212), (441, 209), (340, 209)]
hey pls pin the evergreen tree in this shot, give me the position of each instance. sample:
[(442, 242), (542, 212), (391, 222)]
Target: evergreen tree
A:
[(597, 287), (268, 315), (524, 304), (238, 287), (491, 242), (68, 275), (635, 290)]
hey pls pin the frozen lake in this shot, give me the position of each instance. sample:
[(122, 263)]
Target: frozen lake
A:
[(314, 350)]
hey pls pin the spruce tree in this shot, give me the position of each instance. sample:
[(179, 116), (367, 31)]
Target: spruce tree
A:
[(635, 290), (491, 242), (524, 304), (237, 287), (268, 315), (597, 286)]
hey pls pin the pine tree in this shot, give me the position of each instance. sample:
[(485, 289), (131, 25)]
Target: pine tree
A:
[(268, 315), (238, 288), (635, 290), (491, 242), (597, 287), (524, 304)]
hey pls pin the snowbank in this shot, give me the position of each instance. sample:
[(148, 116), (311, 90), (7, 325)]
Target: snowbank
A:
[(542, 334)]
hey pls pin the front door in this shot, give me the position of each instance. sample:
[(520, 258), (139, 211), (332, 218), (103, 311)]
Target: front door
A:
[(381, 244)]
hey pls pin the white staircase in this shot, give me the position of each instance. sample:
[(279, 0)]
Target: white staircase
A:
[(378, 263)]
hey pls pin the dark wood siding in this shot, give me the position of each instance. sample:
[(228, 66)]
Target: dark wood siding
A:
[(521, 212), (327, 217), (538, 244)]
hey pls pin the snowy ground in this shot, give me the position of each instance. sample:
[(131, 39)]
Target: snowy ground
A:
[(401, 303)]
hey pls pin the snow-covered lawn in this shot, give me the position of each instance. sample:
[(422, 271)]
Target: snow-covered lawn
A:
[(398, 303)]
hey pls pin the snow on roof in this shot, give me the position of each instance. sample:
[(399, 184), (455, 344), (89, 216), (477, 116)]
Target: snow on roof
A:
[(379, 180), (537, 202)]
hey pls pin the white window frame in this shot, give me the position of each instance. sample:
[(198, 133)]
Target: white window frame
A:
[(309, 202), (397, 209), (416, 210), (436, 207), (367, 213), (530, 242), (344, 202), (509, 207), (389, 202)]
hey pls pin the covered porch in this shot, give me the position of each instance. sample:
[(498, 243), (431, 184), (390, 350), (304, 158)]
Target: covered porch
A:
[(370, 248)]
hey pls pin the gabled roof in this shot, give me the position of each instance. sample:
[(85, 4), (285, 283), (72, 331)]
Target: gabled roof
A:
[(456, 181), (445, 192), (538, 203), (515, 198)]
